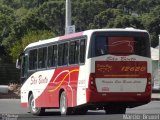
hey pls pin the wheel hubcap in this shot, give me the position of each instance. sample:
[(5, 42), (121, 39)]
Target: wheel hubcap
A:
[(34, 109), (63, 104)]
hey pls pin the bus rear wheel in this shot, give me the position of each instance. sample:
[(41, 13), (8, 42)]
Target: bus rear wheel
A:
[(63, 105), (80, 111), (34, 110)]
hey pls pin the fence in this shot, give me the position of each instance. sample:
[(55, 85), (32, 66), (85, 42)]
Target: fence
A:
[(8, 73)]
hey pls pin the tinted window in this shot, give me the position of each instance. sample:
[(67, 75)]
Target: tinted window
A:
[(24, 69), (33, 59), (42, 57), (122, 45), (62, 54), (82, 50), (100, 46), (141, 46), (65, 54), (74, 52), (52, 56)]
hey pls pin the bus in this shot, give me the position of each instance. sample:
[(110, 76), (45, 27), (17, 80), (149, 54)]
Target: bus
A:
[(99, 69)]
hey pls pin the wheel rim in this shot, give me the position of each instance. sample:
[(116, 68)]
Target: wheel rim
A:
[(63, 104), (34, 109)]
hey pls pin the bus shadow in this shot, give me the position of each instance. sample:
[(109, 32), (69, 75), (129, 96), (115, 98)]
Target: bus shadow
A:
[(87, 114)]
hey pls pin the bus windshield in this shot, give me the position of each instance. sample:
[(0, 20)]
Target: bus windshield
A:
[(121, 45)]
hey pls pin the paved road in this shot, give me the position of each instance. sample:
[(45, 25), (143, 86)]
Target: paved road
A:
[(11, 109)]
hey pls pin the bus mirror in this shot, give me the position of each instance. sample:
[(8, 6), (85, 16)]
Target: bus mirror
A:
[(18, 66)]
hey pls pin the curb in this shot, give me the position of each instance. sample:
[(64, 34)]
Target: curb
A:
[(3, 89), (10, 95), (155, 99), (155, 96)]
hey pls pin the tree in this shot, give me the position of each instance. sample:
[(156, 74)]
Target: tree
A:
[(126, 21), (30, 37), (84, 12), (151, 22), (6, 18), (19, 17), (102, 19), (53, 15), (22, 26), (16, 4)]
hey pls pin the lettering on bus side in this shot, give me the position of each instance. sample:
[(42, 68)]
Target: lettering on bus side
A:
[(33, 80), (133, 69), (104, 68), (81, 82), (39, 80), (124, 58), (42, 80), (105, 89)]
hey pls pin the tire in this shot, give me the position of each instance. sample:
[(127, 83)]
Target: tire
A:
[(64, 110), (34, 110), (80, 111), (115, 110)]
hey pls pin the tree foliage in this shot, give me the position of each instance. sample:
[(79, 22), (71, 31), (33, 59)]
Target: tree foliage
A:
[(31, 36), (53, 16), (21, 20)]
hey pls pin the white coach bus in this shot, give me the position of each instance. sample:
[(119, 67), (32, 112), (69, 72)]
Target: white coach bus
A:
[(101, 69)]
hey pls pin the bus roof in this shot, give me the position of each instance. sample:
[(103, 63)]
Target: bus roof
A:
[(78, 34)]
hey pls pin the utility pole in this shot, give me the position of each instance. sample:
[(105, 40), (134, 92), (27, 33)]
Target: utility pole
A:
[(68, 28), (159, 46), (68, 15)]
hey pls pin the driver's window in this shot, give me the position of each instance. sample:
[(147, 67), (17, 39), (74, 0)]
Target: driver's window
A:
[(24, 70)]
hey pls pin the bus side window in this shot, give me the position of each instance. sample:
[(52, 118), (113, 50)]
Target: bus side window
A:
[(82, 50), (100, 46), (52, 56), (24, 67), (42, 57), (33, 59), (63, 54), (60, 54), (74, 52)]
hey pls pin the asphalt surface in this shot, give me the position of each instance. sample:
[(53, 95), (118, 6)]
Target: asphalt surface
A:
[(10, 110)]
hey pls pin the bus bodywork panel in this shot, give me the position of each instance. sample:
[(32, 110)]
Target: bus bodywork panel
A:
[(46, 88), (133, 88), (105, 87), (120, 68)]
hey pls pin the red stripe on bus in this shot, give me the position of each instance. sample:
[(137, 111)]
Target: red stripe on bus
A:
[(69, 36), (24, 105), (61, 80), (93, 97)]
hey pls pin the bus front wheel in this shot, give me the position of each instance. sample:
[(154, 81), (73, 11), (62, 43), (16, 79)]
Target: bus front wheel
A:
[(34, 110)]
